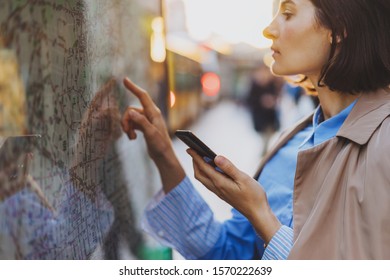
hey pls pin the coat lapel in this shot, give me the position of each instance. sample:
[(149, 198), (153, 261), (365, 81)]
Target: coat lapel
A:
[(283, 139)]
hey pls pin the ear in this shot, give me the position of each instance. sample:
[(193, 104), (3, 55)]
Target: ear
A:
[(338, 39), (330, 37)]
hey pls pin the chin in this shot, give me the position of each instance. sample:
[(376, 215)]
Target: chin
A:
[(279, 70)]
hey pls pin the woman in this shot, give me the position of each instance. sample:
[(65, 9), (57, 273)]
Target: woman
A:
[(323, 191)]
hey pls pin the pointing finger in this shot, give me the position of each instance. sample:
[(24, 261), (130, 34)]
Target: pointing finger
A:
[(142, 95)]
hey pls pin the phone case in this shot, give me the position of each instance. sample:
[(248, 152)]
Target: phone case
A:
[(195, 143)]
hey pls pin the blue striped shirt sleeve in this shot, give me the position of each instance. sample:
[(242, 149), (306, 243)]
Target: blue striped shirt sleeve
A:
[(280, 245), (182, 220)]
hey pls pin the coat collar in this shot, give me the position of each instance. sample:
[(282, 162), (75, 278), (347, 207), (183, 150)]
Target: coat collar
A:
[(368, 113), (284, 137)]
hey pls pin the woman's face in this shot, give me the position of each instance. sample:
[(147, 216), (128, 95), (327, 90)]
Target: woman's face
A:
[(300, 45)]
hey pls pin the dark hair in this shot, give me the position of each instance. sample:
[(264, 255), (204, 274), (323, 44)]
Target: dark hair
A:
[(360, 53)]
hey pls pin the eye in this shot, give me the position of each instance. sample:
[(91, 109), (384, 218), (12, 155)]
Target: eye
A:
[(287, 14)]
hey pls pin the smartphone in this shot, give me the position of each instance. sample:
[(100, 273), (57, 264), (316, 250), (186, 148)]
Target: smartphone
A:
[(195, 143)]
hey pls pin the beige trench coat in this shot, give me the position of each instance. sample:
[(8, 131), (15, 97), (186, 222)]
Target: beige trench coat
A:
[(341, 206)]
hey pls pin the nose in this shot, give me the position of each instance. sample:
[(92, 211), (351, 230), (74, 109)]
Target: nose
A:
[(270, 32)]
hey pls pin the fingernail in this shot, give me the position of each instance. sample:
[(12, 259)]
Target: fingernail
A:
[(207, 159), (219, 160)]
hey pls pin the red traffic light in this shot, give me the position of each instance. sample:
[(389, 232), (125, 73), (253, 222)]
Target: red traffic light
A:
[(211, 83)]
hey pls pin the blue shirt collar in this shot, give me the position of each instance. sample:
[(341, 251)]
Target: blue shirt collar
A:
[(327, 129)]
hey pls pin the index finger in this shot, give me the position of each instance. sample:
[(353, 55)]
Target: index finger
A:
[(140, 93)]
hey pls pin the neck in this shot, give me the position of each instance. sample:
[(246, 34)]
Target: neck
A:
[(333, 102)]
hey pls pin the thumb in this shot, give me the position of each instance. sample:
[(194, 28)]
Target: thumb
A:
[(227, 167)]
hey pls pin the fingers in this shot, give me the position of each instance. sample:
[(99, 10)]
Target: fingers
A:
[(128, 124), (222, 163), (228, 168), (147, 103), (205, 168), (200, 175), (134, 119)]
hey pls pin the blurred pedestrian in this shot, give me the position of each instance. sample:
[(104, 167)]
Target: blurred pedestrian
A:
[(294, 104), (262, 100)]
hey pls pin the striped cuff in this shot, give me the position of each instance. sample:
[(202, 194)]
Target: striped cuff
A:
[(280, 245), (182, 220)]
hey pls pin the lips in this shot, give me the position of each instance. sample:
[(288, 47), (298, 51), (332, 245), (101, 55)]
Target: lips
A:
[(275, 50)]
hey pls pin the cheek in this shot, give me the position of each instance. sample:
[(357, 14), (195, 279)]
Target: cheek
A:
[(297, 43), (294, 52), (319, 51), (306, 52)]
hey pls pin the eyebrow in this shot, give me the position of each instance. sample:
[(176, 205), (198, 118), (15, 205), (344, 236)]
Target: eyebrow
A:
[(285, 2)]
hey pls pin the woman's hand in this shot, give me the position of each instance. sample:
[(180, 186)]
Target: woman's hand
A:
[(150, 122), (239, 190)]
